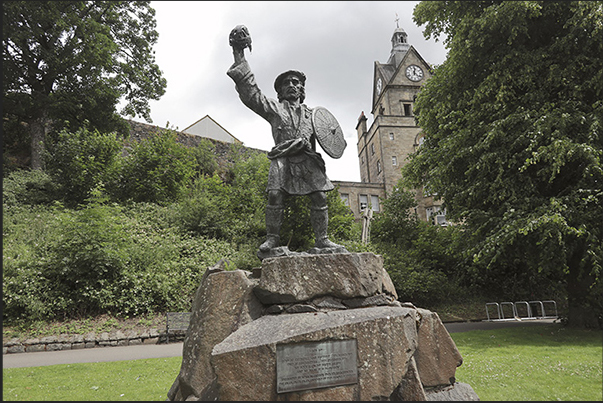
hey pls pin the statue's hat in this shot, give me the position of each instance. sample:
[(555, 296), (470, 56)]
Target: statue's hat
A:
[(281, 77)]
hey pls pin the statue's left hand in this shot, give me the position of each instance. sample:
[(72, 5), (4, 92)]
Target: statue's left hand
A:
[(239, 38)]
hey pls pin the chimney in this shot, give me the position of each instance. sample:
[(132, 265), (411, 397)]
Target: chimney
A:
[(361, 125)]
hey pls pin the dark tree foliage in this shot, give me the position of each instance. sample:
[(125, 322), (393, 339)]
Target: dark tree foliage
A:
[(65, 62), (513, 122)]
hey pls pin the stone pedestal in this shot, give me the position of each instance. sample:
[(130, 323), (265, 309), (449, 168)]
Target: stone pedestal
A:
[(240, 321)]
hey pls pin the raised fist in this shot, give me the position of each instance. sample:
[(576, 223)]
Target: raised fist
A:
[(239, 37)]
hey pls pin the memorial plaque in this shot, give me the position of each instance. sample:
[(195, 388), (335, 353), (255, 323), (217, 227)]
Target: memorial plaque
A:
[(316, 365)]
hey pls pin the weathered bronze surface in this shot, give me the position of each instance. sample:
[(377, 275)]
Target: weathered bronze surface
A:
[(328, 132), (296, 168)]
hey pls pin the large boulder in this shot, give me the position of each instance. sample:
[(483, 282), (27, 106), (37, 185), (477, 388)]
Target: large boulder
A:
[(291, 279), (223, 302), (246, 366), (437, 356), (452, 393)]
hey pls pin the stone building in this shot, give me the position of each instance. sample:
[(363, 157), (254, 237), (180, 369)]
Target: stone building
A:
[(383, 147)]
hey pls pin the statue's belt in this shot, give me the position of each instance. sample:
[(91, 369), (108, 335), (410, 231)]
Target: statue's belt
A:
[(296, 147), (289, 148)]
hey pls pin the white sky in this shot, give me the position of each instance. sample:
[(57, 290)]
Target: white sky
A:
[(334, 43)]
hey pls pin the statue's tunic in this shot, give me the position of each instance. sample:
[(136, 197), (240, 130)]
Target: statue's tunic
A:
[(296, 168)]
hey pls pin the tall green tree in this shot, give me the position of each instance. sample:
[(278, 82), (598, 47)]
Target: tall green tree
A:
[(513, 121), (71, 61)]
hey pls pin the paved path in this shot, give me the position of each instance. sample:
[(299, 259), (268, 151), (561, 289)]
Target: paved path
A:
[(97, 354), (468, 326), (103, 354)]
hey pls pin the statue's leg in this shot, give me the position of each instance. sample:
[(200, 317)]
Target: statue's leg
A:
[(274, 220), (319, 217)]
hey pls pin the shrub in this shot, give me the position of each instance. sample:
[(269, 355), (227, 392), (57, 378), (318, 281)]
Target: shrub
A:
[(205, 157), (82, 161), (28, 187), (157, 170), (101, 259)]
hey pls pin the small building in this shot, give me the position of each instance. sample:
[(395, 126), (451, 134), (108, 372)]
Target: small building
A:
[(209, 128)]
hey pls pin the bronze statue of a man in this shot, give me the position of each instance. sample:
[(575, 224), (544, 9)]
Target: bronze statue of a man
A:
[(296, 168)]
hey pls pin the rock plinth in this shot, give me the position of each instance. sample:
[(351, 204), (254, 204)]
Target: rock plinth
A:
[(386, 339), (341, 275), (239, 321)]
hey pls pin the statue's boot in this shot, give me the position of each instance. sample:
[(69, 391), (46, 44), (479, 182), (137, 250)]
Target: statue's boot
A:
[(319, 217), (274, 220)]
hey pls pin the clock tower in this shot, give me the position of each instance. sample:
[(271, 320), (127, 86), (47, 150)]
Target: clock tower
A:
[(394, 134)]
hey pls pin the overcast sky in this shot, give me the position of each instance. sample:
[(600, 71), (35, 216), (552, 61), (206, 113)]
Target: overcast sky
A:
[(334, 43)]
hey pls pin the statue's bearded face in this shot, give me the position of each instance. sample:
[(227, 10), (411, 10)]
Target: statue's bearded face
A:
[(292, 89)]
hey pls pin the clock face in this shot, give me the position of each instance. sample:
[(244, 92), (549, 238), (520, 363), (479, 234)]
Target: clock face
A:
[(414, 73), (379, 86)]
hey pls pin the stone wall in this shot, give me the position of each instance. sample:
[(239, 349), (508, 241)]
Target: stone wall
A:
[(90, 340), (222, 150)]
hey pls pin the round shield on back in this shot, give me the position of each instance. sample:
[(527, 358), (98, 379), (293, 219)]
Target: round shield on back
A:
[(328, 132)]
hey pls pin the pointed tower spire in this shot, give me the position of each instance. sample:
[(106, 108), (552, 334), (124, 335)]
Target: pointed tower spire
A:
[(399, 45)]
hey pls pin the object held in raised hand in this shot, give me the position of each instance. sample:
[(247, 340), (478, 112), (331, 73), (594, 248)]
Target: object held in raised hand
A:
[(239, 38)]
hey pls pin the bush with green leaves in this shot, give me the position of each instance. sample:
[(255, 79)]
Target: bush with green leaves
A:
[(205, 157), (82, 161), (426, 262), (26, 230), (101, 259), (157, 170), (28, 187)]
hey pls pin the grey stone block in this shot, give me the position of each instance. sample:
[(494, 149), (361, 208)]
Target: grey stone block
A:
[(452, 393), (54, 347), (35, 348), (16, 348), (151, 340), (77, 338), (65, 338)]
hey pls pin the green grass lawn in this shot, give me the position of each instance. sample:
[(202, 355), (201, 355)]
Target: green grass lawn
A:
[(532, 363), (146, 380), (545, 362)]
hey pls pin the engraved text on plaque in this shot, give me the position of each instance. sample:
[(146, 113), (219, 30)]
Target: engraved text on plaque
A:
[(315, 365)]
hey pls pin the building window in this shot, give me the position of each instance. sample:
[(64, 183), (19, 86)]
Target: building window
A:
[(375, 203), (362, 160), (407, 110), (391, 136), (439, 215), (378, 166), (372, 149), (394, 160), (346, 199), (363, 201)]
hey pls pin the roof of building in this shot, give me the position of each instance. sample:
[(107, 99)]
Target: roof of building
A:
[(209, 128)]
